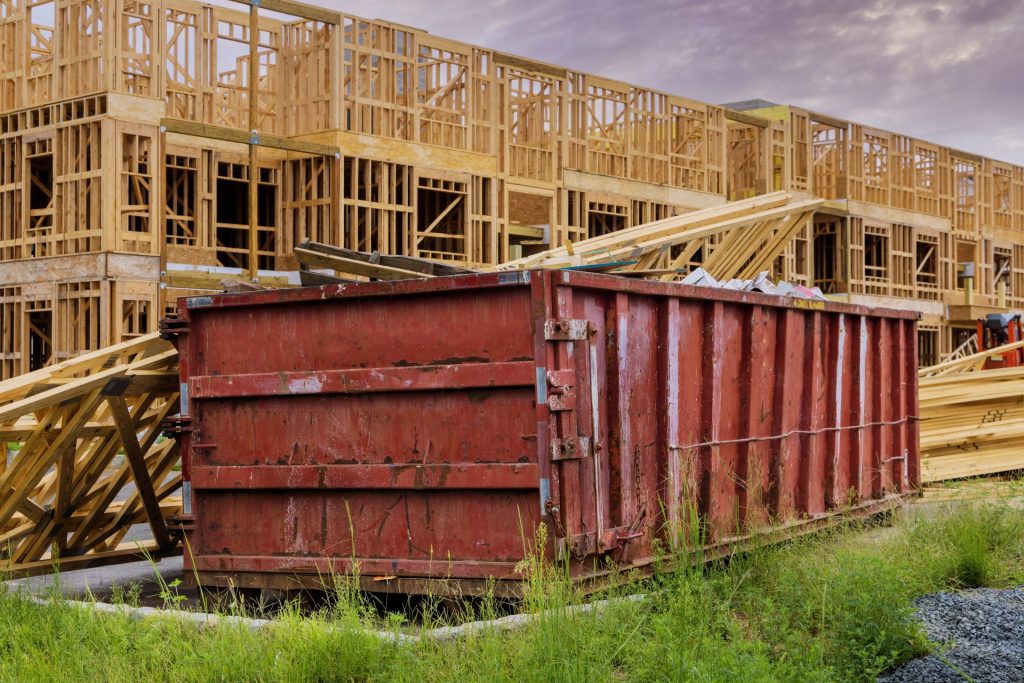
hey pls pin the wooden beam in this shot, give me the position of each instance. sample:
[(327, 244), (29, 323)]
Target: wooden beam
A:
[(530, 65), (419, 266), (966, 156), (59, 491), (143, 483), (972, 420), (440, 217), (205, 130), (749, 119), (254, 169), (355, 267), (829, 121), (296, 9)]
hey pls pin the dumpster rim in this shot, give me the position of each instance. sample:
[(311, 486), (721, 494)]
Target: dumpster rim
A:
[(474, 281)]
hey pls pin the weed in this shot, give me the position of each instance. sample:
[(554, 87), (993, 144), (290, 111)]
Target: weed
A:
[(130, 595), (833, 606)]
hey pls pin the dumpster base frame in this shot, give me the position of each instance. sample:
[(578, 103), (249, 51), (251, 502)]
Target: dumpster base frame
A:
[(588, 583)]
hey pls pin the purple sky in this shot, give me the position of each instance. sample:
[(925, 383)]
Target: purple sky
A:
[(951, 73)]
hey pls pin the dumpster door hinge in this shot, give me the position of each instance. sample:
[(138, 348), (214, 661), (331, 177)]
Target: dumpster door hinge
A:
[(566, 330), (562, 392), (173, 427), (172, 327), (571, 448)]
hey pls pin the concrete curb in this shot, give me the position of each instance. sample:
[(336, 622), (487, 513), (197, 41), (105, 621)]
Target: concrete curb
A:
[(442, 634)]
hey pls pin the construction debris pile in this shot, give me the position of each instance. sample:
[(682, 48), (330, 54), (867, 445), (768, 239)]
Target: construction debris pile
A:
[(762, 283), (82, 459), (736, 241), (972, 418)]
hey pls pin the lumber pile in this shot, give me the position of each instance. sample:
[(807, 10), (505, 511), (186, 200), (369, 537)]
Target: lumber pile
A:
[(82, 459), (738, 240), (972, 419)]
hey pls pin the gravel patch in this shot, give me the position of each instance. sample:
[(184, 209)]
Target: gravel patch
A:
[(981, 637)]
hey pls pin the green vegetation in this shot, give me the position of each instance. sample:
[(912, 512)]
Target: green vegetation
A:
[(836, 606)]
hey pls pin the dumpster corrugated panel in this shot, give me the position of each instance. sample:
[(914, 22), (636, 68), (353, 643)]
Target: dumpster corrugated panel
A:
[(420, 431)]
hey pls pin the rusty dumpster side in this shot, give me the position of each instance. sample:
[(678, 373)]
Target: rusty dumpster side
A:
[(418, 432)]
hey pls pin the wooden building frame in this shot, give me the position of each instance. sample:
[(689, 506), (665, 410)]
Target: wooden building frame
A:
[(128, 130)]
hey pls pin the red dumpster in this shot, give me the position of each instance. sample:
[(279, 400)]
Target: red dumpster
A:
[(420, 431)]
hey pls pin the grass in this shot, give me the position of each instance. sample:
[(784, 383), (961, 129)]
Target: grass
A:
[(835, 606)]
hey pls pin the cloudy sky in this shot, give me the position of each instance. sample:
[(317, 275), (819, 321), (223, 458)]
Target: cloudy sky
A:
[(950, 72)]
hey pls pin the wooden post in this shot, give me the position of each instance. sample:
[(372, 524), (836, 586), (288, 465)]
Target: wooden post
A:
[(969, 291), (1001, 294), (254, 32)]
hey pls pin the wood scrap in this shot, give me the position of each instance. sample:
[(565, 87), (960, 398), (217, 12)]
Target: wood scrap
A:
[(313, 278), (370, 265), (661, 227), (234, 285)]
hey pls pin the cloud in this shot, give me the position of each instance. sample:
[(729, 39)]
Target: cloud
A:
[(949, 72)]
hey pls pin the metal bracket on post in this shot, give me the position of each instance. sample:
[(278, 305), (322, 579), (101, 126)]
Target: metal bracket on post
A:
[(174, 427), (566, 330), (172, 327), (571, 448)]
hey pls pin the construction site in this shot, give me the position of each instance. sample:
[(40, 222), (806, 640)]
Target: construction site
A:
[(383, 138), (301, 293)]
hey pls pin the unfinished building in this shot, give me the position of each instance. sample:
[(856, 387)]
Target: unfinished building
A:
[(149, 150), (907, 224)]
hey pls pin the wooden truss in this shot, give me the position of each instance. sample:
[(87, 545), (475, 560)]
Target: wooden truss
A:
[(741, 239), (83, 459), (738, 240)]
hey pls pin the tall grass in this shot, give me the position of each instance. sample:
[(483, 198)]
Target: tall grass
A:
[(835, 606)]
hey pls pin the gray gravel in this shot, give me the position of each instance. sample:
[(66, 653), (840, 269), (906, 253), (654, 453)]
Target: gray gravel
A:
[(980, 634)]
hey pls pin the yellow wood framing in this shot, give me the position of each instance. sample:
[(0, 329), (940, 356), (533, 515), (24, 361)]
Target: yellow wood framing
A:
[(88, 461), (972, 419)]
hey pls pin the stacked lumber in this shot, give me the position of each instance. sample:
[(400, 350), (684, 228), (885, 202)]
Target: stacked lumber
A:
[(969, 363), (82, 460), (972, 419), (738, 240)]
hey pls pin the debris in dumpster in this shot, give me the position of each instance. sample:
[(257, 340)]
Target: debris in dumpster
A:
[(762, 283)]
